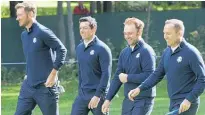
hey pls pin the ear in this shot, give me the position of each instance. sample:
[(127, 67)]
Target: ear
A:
[(138, 32), (31, 14), (179, 33), (94, 29)]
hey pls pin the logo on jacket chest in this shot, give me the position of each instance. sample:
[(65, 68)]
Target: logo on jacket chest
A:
[(179, 59), (138, 55), (34, 40), (92, 52)]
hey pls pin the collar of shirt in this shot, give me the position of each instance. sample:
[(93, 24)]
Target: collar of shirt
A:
[(132, 47), (86, 43), (178, 47), (174, 48), (32, 27), (138, 45)]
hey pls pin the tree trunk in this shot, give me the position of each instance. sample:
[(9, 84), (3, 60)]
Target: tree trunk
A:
[(107, 6), (203, 4), (70, 30), (148, 22), (113, 6), (99, 7), (61, 25), (92, 7), (12, 8)]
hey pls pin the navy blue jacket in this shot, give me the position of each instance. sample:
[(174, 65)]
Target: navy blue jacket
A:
[(95, 64), (185, 72), (138, 64), (40, 45)]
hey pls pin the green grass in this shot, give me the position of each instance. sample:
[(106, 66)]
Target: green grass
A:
[(10, 94)]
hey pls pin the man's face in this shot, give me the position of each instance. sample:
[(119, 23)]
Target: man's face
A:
[(85, 31), (130, 34), (171, 36), (22, 17)]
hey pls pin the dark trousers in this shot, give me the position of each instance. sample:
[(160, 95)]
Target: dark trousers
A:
[(137, 107), (80, 107), (45, 98), (175, 104)]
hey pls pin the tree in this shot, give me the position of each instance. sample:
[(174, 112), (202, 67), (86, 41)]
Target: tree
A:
[(203, 4), (61, 25), (107, 6), (148, 21), (99, 7), (70, 31), (176, 5), (12, 8), (124, 6), (92, 7)]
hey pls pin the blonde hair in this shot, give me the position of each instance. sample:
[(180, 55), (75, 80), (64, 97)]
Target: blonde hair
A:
[(137, 22), (178, 25), (28, 7)]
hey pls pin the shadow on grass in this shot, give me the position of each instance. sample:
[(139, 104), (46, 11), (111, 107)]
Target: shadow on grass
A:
[(10, 94)]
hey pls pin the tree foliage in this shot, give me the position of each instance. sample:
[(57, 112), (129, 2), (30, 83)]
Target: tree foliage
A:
[(197, 38), (175, 5), (121, 6)]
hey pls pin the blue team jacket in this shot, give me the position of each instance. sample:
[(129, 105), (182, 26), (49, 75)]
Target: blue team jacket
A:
[(185, 72), (138, 64), (40, 46), (94, 65)]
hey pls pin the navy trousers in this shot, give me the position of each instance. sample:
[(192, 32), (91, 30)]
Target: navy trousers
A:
[(137, 107), (80, 107), (175, 104), (45, 98)]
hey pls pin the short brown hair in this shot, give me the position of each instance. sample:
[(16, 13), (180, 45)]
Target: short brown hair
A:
[(89, 19), (178, 24), (28, 7), (137, 22)]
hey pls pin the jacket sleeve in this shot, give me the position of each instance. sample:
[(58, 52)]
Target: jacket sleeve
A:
[(197, 66), (105, 59), (51, 40), (116, 83), (155, 77), (148, 62)]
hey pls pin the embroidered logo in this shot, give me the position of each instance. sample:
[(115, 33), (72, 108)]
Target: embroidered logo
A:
[(92, 52), (138, 55), (34, 40), (179, 59)]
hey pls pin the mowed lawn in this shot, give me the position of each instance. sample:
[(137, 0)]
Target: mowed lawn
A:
[(10, 94)]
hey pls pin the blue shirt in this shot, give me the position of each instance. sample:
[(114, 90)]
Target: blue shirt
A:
[(40, 46), (185, 72), (138, 64), (95, 64)]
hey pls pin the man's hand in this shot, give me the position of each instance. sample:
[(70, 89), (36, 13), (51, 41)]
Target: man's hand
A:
[(123, 77), (133, 93), (184, 106), (105, 106), (51, 80), (94, 102)]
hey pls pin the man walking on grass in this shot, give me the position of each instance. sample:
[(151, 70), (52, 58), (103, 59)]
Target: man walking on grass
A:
[(94, 64), (136, 62), (39, 43), (184, 68)]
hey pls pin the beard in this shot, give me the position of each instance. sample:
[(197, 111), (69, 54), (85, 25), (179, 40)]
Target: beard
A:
[(26, 22)]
